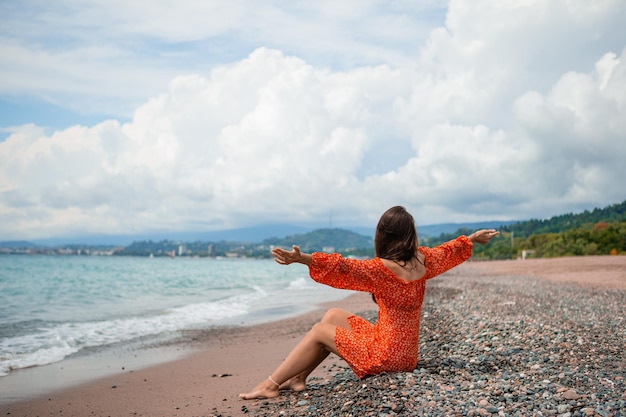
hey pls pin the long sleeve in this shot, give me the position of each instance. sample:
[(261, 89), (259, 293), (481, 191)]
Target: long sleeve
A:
[(446, 256), (343, 273)]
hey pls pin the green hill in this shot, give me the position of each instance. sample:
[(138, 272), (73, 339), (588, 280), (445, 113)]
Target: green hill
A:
[(601, 231), (615, 213), (338, 240)]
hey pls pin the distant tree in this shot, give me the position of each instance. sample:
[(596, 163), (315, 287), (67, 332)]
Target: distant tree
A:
[(340, 240), (596, 232)]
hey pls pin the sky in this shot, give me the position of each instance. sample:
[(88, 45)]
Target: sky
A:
[(124, 117)]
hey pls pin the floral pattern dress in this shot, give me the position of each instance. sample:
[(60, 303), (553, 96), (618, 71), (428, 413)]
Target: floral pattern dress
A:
[(391, 344)]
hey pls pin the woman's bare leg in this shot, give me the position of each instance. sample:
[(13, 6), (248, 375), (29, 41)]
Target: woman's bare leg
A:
[(334, 316), (298, 382), (307, 355)]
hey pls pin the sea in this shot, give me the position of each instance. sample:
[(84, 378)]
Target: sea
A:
[(54, 308)]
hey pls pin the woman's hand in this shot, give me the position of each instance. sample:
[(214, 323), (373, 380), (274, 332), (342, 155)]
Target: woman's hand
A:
[(284, 257), (483, 236)]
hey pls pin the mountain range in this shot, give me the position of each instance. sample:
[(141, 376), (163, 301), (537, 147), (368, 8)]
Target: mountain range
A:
[(247, 234), (256, 234)]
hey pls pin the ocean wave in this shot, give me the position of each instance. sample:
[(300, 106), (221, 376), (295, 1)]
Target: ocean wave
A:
[(52, 342), (121, 300), (303, 283)]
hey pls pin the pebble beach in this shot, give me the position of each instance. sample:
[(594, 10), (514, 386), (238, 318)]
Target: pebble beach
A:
[(494, 345), (505, 338)]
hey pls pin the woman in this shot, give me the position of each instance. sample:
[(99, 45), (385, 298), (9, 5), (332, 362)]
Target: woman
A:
[(397, 280)]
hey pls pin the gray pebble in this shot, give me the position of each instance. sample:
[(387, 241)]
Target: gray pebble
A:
[(518, 345)]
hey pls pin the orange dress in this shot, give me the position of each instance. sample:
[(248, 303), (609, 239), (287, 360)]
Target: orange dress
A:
[(391, 344)]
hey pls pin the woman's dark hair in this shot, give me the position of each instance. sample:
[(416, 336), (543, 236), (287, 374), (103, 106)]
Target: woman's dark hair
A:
[(396, 236)]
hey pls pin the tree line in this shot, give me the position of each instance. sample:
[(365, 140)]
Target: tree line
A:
[(320, 240), (601, 231)]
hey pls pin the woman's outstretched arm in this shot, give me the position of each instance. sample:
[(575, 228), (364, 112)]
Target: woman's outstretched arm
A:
[(284, 257), (450, 254), (483, 236)]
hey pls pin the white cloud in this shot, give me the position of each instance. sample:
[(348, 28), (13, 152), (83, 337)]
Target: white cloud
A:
[(513, 110), (578, 128), (106, 57)]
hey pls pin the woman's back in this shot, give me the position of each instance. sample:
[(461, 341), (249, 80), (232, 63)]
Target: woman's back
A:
[(409, 271)]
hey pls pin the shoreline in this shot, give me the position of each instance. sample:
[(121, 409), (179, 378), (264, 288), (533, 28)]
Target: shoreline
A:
[(217, 364), (100, 362), (227, 364), (82, 368)]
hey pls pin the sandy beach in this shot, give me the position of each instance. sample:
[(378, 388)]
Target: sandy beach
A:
[(217, 365)]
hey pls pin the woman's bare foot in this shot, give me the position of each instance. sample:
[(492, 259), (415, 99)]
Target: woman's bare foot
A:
[(294, 384), (266, 389)]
